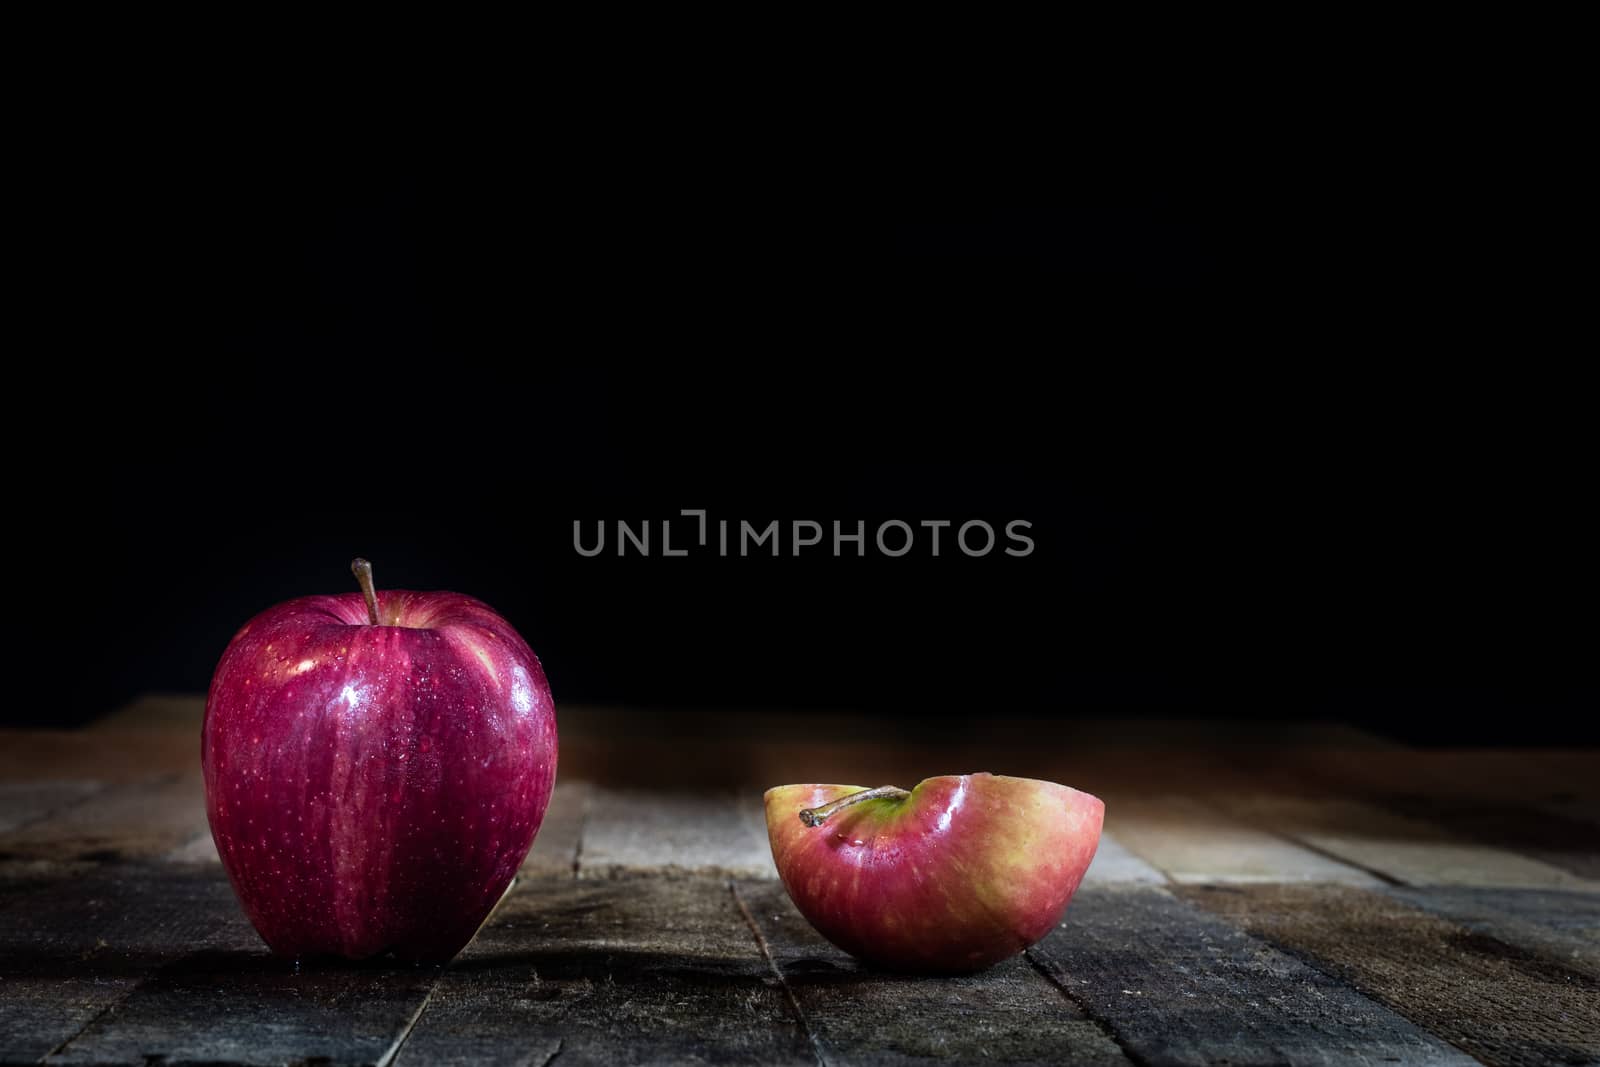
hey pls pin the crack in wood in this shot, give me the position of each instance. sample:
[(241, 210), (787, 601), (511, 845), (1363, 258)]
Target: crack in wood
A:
[(411, 1024), (1312, 846), (94, 789), (766, 954), (1089, 1012), (102, 1013), (389, 1057)]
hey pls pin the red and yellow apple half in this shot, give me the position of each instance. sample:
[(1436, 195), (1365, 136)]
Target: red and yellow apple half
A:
[(376, 770), (959, 873)]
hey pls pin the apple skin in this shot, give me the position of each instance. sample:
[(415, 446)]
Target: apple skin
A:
[(965, 872), (374, 788)]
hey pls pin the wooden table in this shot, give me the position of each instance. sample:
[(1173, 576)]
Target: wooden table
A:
[(1263, 895)]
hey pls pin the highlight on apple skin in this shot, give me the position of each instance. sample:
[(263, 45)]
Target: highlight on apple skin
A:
[(376, 770), (958, 874)]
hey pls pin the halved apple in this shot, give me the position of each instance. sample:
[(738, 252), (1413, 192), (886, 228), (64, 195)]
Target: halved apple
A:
[(959, 873)]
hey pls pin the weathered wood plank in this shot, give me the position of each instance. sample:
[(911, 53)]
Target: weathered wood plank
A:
[(555, 848), (135, 821), (1193, 843), (1007, 1014), (1178, 986), (142, 963), (1115, 865), (1572, 844), (1503, 1004), (241, 1005), (611, 972), (25, 802), (1562, 925), (70, 948), (1405, 850), (112, 756), (629, 832)]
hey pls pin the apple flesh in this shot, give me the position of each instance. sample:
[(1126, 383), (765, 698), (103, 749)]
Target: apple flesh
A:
[(376, 772), (958, 874)]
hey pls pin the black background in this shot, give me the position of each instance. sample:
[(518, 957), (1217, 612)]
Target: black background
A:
[(1283, 425)]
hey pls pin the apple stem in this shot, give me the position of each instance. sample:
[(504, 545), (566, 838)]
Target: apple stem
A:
[(363, 572), (820, 815)]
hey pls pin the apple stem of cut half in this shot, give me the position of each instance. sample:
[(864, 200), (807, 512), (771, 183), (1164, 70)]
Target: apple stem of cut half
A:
[(819, 815), (363, 572)]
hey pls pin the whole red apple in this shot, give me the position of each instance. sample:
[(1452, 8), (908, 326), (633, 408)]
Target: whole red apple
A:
[(958, 874), (376, 770)]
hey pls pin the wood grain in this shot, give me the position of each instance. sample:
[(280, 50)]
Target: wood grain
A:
[(24, 802), (1007, 1014), (628, 832), (1192, 842), (1115, 865), (1566, 841), (1178, 986), (1561, 925), (73, 947), (1401, 849), (139, 963), (123, 822), (1314, 896), (240, 1005), (611, 972), (1503, 1004)]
